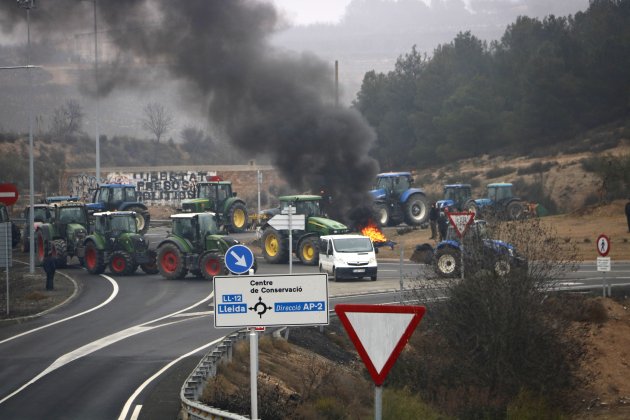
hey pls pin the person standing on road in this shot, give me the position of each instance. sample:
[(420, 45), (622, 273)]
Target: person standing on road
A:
[(50, 267), (443, 223), (628, 214), (434, 214)]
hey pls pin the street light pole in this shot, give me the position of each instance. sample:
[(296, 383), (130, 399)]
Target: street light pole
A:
[(28, 5), (98, 146)]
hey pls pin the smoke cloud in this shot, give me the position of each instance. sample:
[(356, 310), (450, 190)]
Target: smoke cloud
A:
[(268, 102)]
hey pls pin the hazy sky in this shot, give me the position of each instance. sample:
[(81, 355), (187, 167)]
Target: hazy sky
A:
[(304, 12)]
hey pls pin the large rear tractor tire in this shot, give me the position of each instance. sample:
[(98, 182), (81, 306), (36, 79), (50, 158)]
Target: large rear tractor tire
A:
[(416, 210), (171, 262), (308, 251), (121, 263), (60, 252), (94, 259), (275, 246), (237, 218), (381, 215), (447, 262), (211, 265), (515, 210), (142, 219)]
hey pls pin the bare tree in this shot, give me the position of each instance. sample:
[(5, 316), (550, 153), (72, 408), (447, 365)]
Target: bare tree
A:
[(67, 119), (156, 120)]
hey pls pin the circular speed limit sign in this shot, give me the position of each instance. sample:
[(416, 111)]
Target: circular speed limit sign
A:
[(603, 245)]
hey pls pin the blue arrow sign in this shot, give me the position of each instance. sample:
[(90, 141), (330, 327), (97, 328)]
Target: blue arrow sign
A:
[(239, 259)]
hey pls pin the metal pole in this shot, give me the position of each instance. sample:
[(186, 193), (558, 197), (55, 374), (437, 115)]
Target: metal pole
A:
[(253, 370), (290, 239), (98, 146), (31, 171), (462, 256), (6, 238), (336, 83), (401, 274), (378, 402), (259, 180)]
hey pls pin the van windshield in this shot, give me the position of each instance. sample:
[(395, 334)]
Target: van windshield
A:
[(353, 245)]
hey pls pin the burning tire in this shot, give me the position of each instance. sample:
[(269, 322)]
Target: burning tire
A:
[(274, 247), (94, 259), (237, 218), (171, 262), (308, 251), (121, 263), (447, 262), (211, 265), (416, 210)]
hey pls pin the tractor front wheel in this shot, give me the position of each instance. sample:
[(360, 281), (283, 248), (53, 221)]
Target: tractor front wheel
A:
[(121, 263), (142, 219), (275, 247), (515, 210), (237, 218), (94, 259), (308, 251), (171, 262), (416, 210), (447, 262), (381, 214), (211, 265), (150, 267)]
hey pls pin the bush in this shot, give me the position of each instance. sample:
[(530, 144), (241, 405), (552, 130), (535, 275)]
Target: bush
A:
[(536, 168), (500, 171)]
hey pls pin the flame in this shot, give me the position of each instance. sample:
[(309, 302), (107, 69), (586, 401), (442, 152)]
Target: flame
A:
[(372, 231)]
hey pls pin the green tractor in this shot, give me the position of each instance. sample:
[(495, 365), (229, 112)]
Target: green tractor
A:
[(194, 245), (117, 243), (216, 196), (275, 242), (63, 236)]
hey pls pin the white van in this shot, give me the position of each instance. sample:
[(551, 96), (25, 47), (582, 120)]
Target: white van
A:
[(347, 256)]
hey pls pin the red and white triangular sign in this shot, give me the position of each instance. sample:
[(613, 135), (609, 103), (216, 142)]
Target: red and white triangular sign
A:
[(379, 333), (461, 221)]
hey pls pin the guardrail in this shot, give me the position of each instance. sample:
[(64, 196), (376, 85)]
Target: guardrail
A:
[(192, 389)]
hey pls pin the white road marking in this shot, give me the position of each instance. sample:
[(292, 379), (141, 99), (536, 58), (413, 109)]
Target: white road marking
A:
[(102, 343), (136, 412), (125, 410), (108, 300)]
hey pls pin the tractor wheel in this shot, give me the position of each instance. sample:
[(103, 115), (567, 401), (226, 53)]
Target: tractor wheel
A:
[(515, 210), (308, 251), (60, 252), (502, 267), (40, 247), (150, 267), (416, 210), (94, 259), (142, 219), (381, 215), (121, 263), (237, 218), (275, 246), (447, 262), (170, 262), (211, 265)]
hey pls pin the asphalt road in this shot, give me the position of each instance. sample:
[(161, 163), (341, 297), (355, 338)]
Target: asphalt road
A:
[(124, 348)]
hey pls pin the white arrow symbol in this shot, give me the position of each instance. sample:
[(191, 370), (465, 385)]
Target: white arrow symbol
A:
[(240, 260)]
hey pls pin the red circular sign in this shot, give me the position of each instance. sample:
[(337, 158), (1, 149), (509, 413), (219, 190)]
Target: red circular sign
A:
[(8, 194), (603, 245)]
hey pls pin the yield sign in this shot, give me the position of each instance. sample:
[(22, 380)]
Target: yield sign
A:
[(461, 221), (379, 333)]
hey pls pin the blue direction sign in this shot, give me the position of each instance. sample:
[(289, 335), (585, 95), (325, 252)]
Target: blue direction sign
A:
[(239, 259)]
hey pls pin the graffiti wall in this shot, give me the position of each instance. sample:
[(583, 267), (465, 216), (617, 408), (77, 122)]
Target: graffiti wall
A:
[(152, 187)]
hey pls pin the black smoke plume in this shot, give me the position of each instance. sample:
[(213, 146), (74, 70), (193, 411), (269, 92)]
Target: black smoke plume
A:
[(268, 102)]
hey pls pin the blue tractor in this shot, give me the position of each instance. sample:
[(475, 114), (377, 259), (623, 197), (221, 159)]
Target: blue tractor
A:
[(120, 197), (499, 203), (395, 201), (456, 196)]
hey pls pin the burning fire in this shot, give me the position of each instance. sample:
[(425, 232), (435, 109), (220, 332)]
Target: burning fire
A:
[(372, 231)]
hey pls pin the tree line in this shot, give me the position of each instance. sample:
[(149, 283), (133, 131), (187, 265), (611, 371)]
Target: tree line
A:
[(543, 82)]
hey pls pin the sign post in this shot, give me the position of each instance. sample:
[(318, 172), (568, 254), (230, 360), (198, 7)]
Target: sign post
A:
[(379, 334), (259, 301), (603, 261), (288, 220), (461, 222)]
